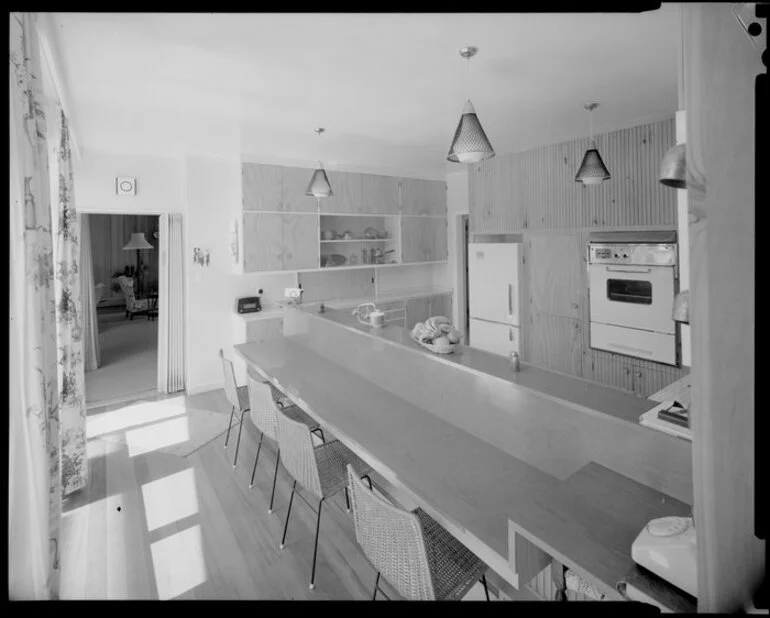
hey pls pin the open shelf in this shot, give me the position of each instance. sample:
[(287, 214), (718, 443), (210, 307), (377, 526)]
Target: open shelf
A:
[(356, 252)]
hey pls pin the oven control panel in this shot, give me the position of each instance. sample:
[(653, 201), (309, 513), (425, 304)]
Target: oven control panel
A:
[(642, 254)]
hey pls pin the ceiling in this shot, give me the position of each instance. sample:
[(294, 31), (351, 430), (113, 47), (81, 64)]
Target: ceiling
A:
[(389, 88)]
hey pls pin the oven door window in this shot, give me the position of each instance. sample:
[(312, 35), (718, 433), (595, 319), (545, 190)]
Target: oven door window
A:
[(630, 291)]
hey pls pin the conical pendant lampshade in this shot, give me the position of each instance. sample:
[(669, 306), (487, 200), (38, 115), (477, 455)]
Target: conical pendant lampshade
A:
[(319, 186), (592, 170), (470, 144), (673, 168)]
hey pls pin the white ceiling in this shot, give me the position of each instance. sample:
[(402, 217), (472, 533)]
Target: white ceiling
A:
[(389, 88)]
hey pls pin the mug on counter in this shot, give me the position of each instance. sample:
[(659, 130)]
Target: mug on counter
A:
[(377, 319)]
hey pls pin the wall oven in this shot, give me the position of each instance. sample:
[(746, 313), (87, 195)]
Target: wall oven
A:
[(633, 279)]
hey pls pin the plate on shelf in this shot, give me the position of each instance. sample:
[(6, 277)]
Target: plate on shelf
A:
[(333, 259)]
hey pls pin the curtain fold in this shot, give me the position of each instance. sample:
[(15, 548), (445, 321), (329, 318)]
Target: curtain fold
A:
[(171, 311), (34, 488), (90, 318), (69, 334)]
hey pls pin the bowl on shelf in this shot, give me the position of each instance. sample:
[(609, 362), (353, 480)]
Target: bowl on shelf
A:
[(348, 235), (328, 235), (333, 259)]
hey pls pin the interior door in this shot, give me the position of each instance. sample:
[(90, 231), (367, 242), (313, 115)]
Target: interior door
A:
[(493, 337), (493, 282)]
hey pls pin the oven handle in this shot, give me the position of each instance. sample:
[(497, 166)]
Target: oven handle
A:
[(626, 270)]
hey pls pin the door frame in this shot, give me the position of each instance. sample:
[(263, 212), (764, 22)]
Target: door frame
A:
[(462, 236), (162, 246)]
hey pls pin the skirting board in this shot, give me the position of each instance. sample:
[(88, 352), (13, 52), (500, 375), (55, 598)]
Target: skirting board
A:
[(203, 388)]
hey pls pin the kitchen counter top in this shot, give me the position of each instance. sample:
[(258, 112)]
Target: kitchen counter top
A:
[(488, 457), (592, 397)]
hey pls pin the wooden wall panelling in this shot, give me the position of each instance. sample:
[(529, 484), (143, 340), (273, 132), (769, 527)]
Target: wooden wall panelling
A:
[(357, 283), (293, 186), (263, 242), (347, 189), (262, 187), (380, 194), (423, 197), (300, 241), (556, 343), (423, 239), (611, 369), (556, 278)]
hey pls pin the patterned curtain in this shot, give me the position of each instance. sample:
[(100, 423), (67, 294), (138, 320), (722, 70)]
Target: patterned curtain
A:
[(72, 407), (88, 297), (34, 491)]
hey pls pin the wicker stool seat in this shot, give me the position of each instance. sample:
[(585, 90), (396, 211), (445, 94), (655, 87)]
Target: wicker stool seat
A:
[(333, 458), (453, 567), (414, 553)]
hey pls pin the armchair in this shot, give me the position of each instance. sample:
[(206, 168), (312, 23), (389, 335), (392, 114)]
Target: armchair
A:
[(133, 306)]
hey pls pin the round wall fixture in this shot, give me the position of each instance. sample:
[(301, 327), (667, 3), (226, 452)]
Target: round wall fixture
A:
[(125, 185)]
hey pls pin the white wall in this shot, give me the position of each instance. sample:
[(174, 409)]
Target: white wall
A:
[(160, 183)]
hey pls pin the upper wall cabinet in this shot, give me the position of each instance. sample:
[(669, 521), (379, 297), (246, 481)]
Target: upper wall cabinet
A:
[(423, 239), (380, 194), (262, 187), (347, 197), (275, 241), (423, 197), (295, 182)]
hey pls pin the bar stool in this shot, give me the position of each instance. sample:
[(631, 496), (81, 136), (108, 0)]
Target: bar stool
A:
[(321, 470), (417, 556), (264, 401), (238, 397)]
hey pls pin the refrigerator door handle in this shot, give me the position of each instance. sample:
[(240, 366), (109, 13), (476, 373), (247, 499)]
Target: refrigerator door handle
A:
[(510, 334), (510, 299)]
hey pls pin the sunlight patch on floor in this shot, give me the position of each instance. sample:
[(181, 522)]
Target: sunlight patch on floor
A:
[(157, 436), (178, 562), (170, 499), (134, 415)]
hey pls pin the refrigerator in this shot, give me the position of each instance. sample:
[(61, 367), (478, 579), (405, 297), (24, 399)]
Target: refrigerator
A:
[(493, 296)]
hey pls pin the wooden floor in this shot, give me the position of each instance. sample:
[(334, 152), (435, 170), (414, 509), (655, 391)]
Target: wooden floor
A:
[(161, 526)]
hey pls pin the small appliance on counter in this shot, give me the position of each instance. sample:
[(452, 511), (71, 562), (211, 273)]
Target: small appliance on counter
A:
[(369, 315), (249, 304), (666, 547)]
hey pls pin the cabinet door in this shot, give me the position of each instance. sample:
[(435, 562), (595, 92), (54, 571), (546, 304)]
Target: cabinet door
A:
[(423, 239), (300, 241), (295, 182), (261, 330), (417, 310), (261, 185), (557, 275), (441, 304), (380, 194), (346, 187), (262, 242), (423, 197), (555, 343)]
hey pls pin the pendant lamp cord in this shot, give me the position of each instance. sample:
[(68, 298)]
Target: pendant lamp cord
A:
[(591, 124)]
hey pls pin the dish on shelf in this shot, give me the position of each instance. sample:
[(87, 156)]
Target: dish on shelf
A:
[(348, 235), (328, 235), (333, 259), (353, 259)]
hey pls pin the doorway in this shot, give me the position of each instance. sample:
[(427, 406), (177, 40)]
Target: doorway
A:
[(125, 251)]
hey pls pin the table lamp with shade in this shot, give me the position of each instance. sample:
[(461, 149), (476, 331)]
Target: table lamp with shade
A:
[(139, 243)]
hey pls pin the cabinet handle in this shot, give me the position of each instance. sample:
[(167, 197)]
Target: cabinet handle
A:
[(574, 305), (510, 299), (510, 334), (638, 374)]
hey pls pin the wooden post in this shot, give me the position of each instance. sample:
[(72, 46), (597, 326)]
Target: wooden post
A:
[(720, 68)]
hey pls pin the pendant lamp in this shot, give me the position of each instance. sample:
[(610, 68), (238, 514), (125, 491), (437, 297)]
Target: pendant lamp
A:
[(319, 186), (673, 167), (470, 143), (592, 171)]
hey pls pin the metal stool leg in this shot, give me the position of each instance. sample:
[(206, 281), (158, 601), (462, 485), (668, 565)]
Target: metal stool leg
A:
[(286, 525), (368, 480), (321, 433), (256, 459), (484, 581), (347, 499), (229, 425), (238, 444), (315, 549), (376, 581), (275, 478)]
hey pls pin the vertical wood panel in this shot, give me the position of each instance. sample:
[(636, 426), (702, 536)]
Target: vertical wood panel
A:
[(261, 187), (423, 239), (423, 197), (380, 194), (556, 343), (556, 283), (347, 190), (262, 242), (294, 182), (300, 241)]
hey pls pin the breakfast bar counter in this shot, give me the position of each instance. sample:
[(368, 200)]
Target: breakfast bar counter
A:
[(508, 463)]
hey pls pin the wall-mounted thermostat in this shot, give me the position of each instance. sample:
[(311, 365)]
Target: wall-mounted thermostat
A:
[(125, 185)]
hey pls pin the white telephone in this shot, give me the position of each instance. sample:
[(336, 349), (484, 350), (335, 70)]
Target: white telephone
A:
[(666, 546)]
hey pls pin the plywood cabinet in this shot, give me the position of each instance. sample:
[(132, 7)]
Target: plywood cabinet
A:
[(423, 197), (555, 343), (294, 184), (262, 242), (262, 187), (380, 194), (556, 273), (300, 241), (275, 241), (347, 190), (423, 239)]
